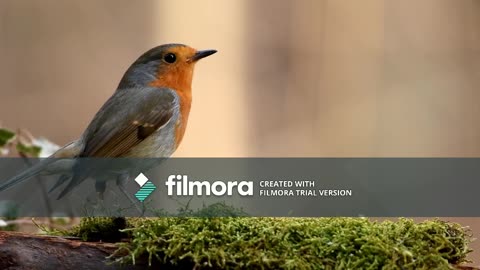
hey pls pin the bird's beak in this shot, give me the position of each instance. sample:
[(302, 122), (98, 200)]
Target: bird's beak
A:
[(201, 54)]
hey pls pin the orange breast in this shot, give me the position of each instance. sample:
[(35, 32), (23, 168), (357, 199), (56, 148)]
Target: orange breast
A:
[(181, 125), (178, 78)]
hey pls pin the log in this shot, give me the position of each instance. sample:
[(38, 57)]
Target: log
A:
[(19, 251)]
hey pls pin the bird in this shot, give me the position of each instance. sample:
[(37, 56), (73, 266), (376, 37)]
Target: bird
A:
[(146, 117)]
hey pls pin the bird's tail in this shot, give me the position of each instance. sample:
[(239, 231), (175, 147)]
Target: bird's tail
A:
[(69, 151), (32, 171)]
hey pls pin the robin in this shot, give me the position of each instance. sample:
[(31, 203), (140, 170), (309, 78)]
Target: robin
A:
[(146, 117)]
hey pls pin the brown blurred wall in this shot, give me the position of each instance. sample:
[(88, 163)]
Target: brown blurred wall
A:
[(61, 60), (366, 78)]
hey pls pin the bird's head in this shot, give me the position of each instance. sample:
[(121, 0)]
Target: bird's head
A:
[(169, 65)]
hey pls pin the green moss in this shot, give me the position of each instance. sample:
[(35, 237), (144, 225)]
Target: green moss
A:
[(105, 229), (288, 243), (213, 210)]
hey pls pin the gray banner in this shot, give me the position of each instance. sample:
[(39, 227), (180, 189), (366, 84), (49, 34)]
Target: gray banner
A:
[(296, 187)]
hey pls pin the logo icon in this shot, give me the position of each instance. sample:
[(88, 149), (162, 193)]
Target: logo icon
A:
[(146, 187)]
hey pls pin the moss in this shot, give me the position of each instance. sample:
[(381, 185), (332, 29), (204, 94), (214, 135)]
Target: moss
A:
[(105, 229), (213, 210), (287, 243)]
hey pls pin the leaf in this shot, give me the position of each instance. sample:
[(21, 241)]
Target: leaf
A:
[(6, 136), (29, 150)]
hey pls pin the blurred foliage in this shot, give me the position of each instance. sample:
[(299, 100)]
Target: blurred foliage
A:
[(28, 150), (8, 211), (23, 143), (282, 243), (6, 136)]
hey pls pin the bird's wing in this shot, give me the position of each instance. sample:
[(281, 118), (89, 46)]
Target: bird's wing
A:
[(125, 120), (128, 118)]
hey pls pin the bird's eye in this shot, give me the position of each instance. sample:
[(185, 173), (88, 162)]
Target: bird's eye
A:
[(170, 58)]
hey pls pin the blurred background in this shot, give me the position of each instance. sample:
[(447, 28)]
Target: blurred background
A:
[(323, 78)]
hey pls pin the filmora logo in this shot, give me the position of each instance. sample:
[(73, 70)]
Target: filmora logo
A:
[(184, 187), (146, 187)]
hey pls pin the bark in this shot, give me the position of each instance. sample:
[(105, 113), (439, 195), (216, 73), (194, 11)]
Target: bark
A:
[(20, 251)]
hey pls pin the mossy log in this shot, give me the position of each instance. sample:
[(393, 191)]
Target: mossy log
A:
[(173, 243)]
